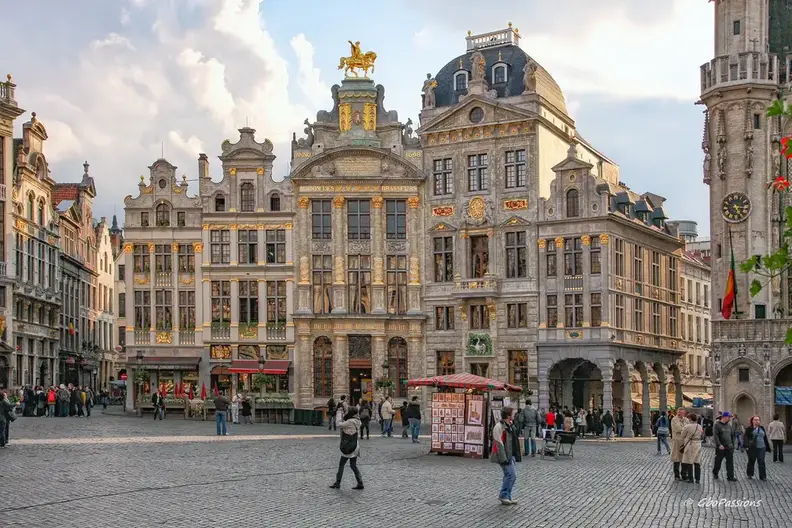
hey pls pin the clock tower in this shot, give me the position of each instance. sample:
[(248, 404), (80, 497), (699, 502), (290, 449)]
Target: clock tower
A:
[(741, 155)]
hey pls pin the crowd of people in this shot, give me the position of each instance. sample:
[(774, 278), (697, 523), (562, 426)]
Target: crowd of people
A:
[(61, 401)]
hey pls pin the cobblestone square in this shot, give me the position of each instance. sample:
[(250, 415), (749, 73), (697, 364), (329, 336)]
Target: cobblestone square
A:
[(131, 472)]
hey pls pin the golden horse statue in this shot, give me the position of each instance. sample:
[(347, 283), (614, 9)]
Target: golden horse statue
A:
[(357, 61)]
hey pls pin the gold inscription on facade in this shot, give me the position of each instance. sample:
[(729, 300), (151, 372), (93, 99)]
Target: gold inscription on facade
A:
[(512, 205), (370, 116), (357, 188), (446, 210), (413, 154), (302, 154), (345, 117), (357, 166)]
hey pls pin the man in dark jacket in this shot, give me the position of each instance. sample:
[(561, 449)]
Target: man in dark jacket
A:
[(529, 422), (414, 418), (505, 452), (607, 424), (724, 447), (221, 409), (405, 418), (619, 417)]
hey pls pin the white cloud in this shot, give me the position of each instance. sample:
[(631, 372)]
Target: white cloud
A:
[(124, 17), (422, 39), (310, 77), (113, 39), (207, 79), (67, 145), (192, 145)]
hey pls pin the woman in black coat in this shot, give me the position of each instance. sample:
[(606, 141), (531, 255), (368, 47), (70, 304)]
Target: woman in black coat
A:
[(246, 411), (758, 444)]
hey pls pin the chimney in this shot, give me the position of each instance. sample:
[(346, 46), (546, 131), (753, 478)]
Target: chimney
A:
[(203, 166)]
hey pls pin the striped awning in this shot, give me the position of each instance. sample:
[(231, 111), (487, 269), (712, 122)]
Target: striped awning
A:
[(245, 366), (276, 367), (463, 380)]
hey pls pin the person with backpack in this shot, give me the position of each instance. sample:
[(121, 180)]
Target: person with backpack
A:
[(662, 429), (350, 449), (365, 418)]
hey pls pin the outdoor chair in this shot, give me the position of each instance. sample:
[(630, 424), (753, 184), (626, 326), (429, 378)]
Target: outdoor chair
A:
[(566, 443), (550, 444)]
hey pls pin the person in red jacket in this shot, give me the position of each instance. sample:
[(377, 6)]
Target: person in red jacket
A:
[(51, 402), (550, 419)]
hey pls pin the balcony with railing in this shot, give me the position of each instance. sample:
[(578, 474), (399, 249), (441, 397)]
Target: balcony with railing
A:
[(7, 91), (186, 337), (221, 331), (276, 331), (482, 287), (163, 279), (751, 66), (503, 37), (4, 270), (142, 337), (760, 330)]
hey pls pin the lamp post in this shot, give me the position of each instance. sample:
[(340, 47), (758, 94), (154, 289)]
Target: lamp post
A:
[(262, 360), (139, 358), (385, 369)]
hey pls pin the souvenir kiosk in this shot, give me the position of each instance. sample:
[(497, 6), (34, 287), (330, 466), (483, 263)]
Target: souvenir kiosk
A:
[(461, 412)]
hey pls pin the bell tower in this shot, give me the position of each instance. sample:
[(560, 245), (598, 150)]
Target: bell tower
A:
[(740, 147)]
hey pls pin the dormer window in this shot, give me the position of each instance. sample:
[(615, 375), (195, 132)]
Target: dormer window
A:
[(144, 219), (572, 203), (219, 203), (275, 202), (460, 81), (41, 213), (499, 75), (247, 194), (30, 207), (163, 215)]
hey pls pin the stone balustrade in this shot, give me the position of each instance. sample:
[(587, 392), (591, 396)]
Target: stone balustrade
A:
[(752, 66)]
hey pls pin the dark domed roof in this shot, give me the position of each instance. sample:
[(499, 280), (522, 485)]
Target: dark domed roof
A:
[(515, 60)]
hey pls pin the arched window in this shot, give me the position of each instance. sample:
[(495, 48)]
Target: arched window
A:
[(219, 203), (397, 365), (275, 202), (41, 213), (572, 203), (460, 81), (31, 209), (499, 74), (323, 367), (163, 215), (247, 197)]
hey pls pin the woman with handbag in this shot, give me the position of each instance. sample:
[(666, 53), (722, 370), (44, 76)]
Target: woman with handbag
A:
[(691, 449), (350, 450), (662, 429), (757, 444)]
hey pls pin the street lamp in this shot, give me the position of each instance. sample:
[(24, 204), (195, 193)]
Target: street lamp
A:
[(139, 358), (385, 369)]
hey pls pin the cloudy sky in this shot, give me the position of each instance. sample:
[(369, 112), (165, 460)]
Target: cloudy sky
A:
[(117, 81)]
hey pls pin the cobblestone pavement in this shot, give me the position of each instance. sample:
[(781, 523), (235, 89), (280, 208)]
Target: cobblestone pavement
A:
[(115, 471)]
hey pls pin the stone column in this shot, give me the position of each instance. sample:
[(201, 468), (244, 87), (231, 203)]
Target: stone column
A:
[(585, 241), (339, 256), (234, 244), (461, 250), (605, 273), (289, 244), (206, 243), (378, 252), (679, 402), (377, 359), (303, 256), (289, 309), (544, 391), (261, 250), (234, 309), (415, 242), (303, 369), (340, 366), (261, 197), (205, 318), (627, 371), (233, 191), (646, 410), (415, 357), (495, 266), (607, 386), (262, 315)]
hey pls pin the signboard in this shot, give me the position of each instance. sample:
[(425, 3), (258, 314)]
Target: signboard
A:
[(448, 423), (123, 377), (783, 395), (475, 430)]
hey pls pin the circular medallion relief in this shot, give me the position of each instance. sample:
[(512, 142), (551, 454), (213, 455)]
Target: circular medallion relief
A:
[(572, 177), (595, 207), (477, 115), (162, 183), (550, 212), (477, 208)]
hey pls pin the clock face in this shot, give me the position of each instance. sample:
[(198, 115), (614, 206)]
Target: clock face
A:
[(736, 207)]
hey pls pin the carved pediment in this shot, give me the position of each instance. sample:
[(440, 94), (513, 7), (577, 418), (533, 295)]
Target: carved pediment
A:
[(572, 164), (494, 114), (442, 227), (247, 147), (515, 220), (357, 162)]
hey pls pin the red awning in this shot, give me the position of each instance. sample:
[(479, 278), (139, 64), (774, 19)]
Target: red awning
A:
[(464, 380), (276, 366), (245, 366)]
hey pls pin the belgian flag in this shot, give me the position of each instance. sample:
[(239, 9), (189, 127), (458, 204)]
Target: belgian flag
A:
[(730, 297)]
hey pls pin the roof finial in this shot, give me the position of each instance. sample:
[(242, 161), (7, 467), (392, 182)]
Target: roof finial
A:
[(9, 77), (572, 152), (510, 24), (142, 179), (469, 33), (499, 56), (85, 166), (33, 117), (460, 63)]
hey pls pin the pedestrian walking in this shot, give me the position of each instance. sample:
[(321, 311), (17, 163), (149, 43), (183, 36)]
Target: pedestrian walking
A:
[(221, 414), (379, 415), (349, 424), (529, 422), (159, 404), (414, 418), (51, 399), (724, 446), (550, 418), (757, 444), (678, 423), (365, 419), (235, 409), (776, 431), (6, 417), (662, 429), (405, 420), (619, 417), (691, 449), (387, 416), (580, 423), (505, 451), (739, 431), (331, 414), (246, 411), (607, 425)]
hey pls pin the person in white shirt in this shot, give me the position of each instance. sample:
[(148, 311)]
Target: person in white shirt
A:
[(387, 416), (235, 409)]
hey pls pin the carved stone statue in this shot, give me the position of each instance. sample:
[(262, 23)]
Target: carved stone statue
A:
[(749, 154), (768, 368), (479, 65), (716, 367), (429, 86), (776, 164), (707, 163), (407, 135), (722, 163), (21, 156), (529, 76), (309, 139)]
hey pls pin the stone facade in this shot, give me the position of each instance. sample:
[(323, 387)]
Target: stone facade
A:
[(106, 307), (694, 325), (741, 155), (358, 189)]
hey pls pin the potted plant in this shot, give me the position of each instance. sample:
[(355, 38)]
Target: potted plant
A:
[(384, 383)]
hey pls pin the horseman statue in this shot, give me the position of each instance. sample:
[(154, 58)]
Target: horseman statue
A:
[(358, 61)]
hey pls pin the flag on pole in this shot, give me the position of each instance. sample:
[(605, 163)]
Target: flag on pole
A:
[(730, 297)]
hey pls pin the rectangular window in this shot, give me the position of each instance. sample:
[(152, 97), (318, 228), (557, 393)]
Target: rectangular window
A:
[(186, 258), (359, 219), (248, 302), (443, 259), (618, 245), (552, 311), (698, 330), (551, 258), (515, 169), (444, 317), (595, 263), (396, 281), (144, 219), (321, 282), (573, 256), (276, 304), (163, 261), (573, 310), (180, 219), (220, 246), (359, 284), (706, 296), (619, 303), (478, 179), (396, 219), (479, 317), (141, 258), (638, 322), (122, 305), (142, 310), (698, 294), (655, 268), (518, 367), (121, 336), (756, 122), (121, 272), (517, 315), (672, 321), (516, 255), (743, 375), (682, 326), (596, 309), (187, 310), (690, 291), (321, 214), (164, 309), (736, 27), (275, 246), (638, 267), (443, 176), (759, 311), (655, 323), (672, 279), (221, 302), (445, 362), (247, 246), (691, 336)]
